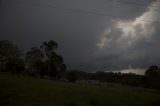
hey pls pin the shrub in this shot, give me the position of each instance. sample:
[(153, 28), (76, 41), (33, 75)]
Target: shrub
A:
[(71, 76)]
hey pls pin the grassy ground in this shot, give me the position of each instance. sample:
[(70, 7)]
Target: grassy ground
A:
[(24, 91)]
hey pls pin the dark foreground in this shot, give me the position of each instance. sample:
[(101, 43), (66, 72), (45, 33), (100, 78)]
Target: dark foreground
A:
[(24, 91)]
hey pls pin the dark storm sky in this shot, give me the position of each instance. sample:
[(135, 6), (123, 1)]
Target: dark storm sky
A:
[(92, 34)]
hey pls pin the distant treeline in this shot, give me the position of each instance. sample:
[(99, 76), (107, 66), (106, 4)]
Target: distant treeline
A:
[(45, 62), (151, 79)]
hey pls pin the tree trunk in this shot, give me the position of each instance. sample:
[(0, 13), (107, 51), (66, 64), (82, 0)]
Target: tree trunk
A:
[(49, 67)]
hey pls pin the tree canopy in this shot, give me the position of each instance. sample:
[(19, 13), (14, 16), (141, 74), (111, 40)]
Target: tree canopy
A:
[(9, 53), (8, 50), (44, 61)]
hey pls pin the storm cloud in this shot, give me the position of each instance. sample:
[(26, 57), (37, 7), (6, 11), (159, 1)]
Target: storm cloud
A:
[(133, 41), (92, 34)]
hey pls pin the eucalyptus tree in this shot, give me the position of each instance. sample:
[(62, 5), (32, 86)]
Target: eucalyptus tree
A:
[(49, 51), (34, 60), (57, 66)]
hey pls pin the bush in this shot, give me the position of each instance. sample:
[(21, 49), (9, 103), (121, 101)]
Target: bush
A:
[(71, 76)]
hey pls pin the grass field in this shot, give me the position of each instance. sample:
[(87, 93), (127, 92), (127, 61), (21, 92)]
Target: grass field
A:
[(24, 91)]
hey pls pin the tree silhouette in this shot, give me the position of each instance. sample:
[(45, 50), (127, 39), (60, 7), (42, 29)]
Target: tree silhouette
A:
[(8, 52), (152, 71), (71, 76), (153, 76), (16, 66), (57, 66), (44, 61), (34, 59), (49, 51)]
